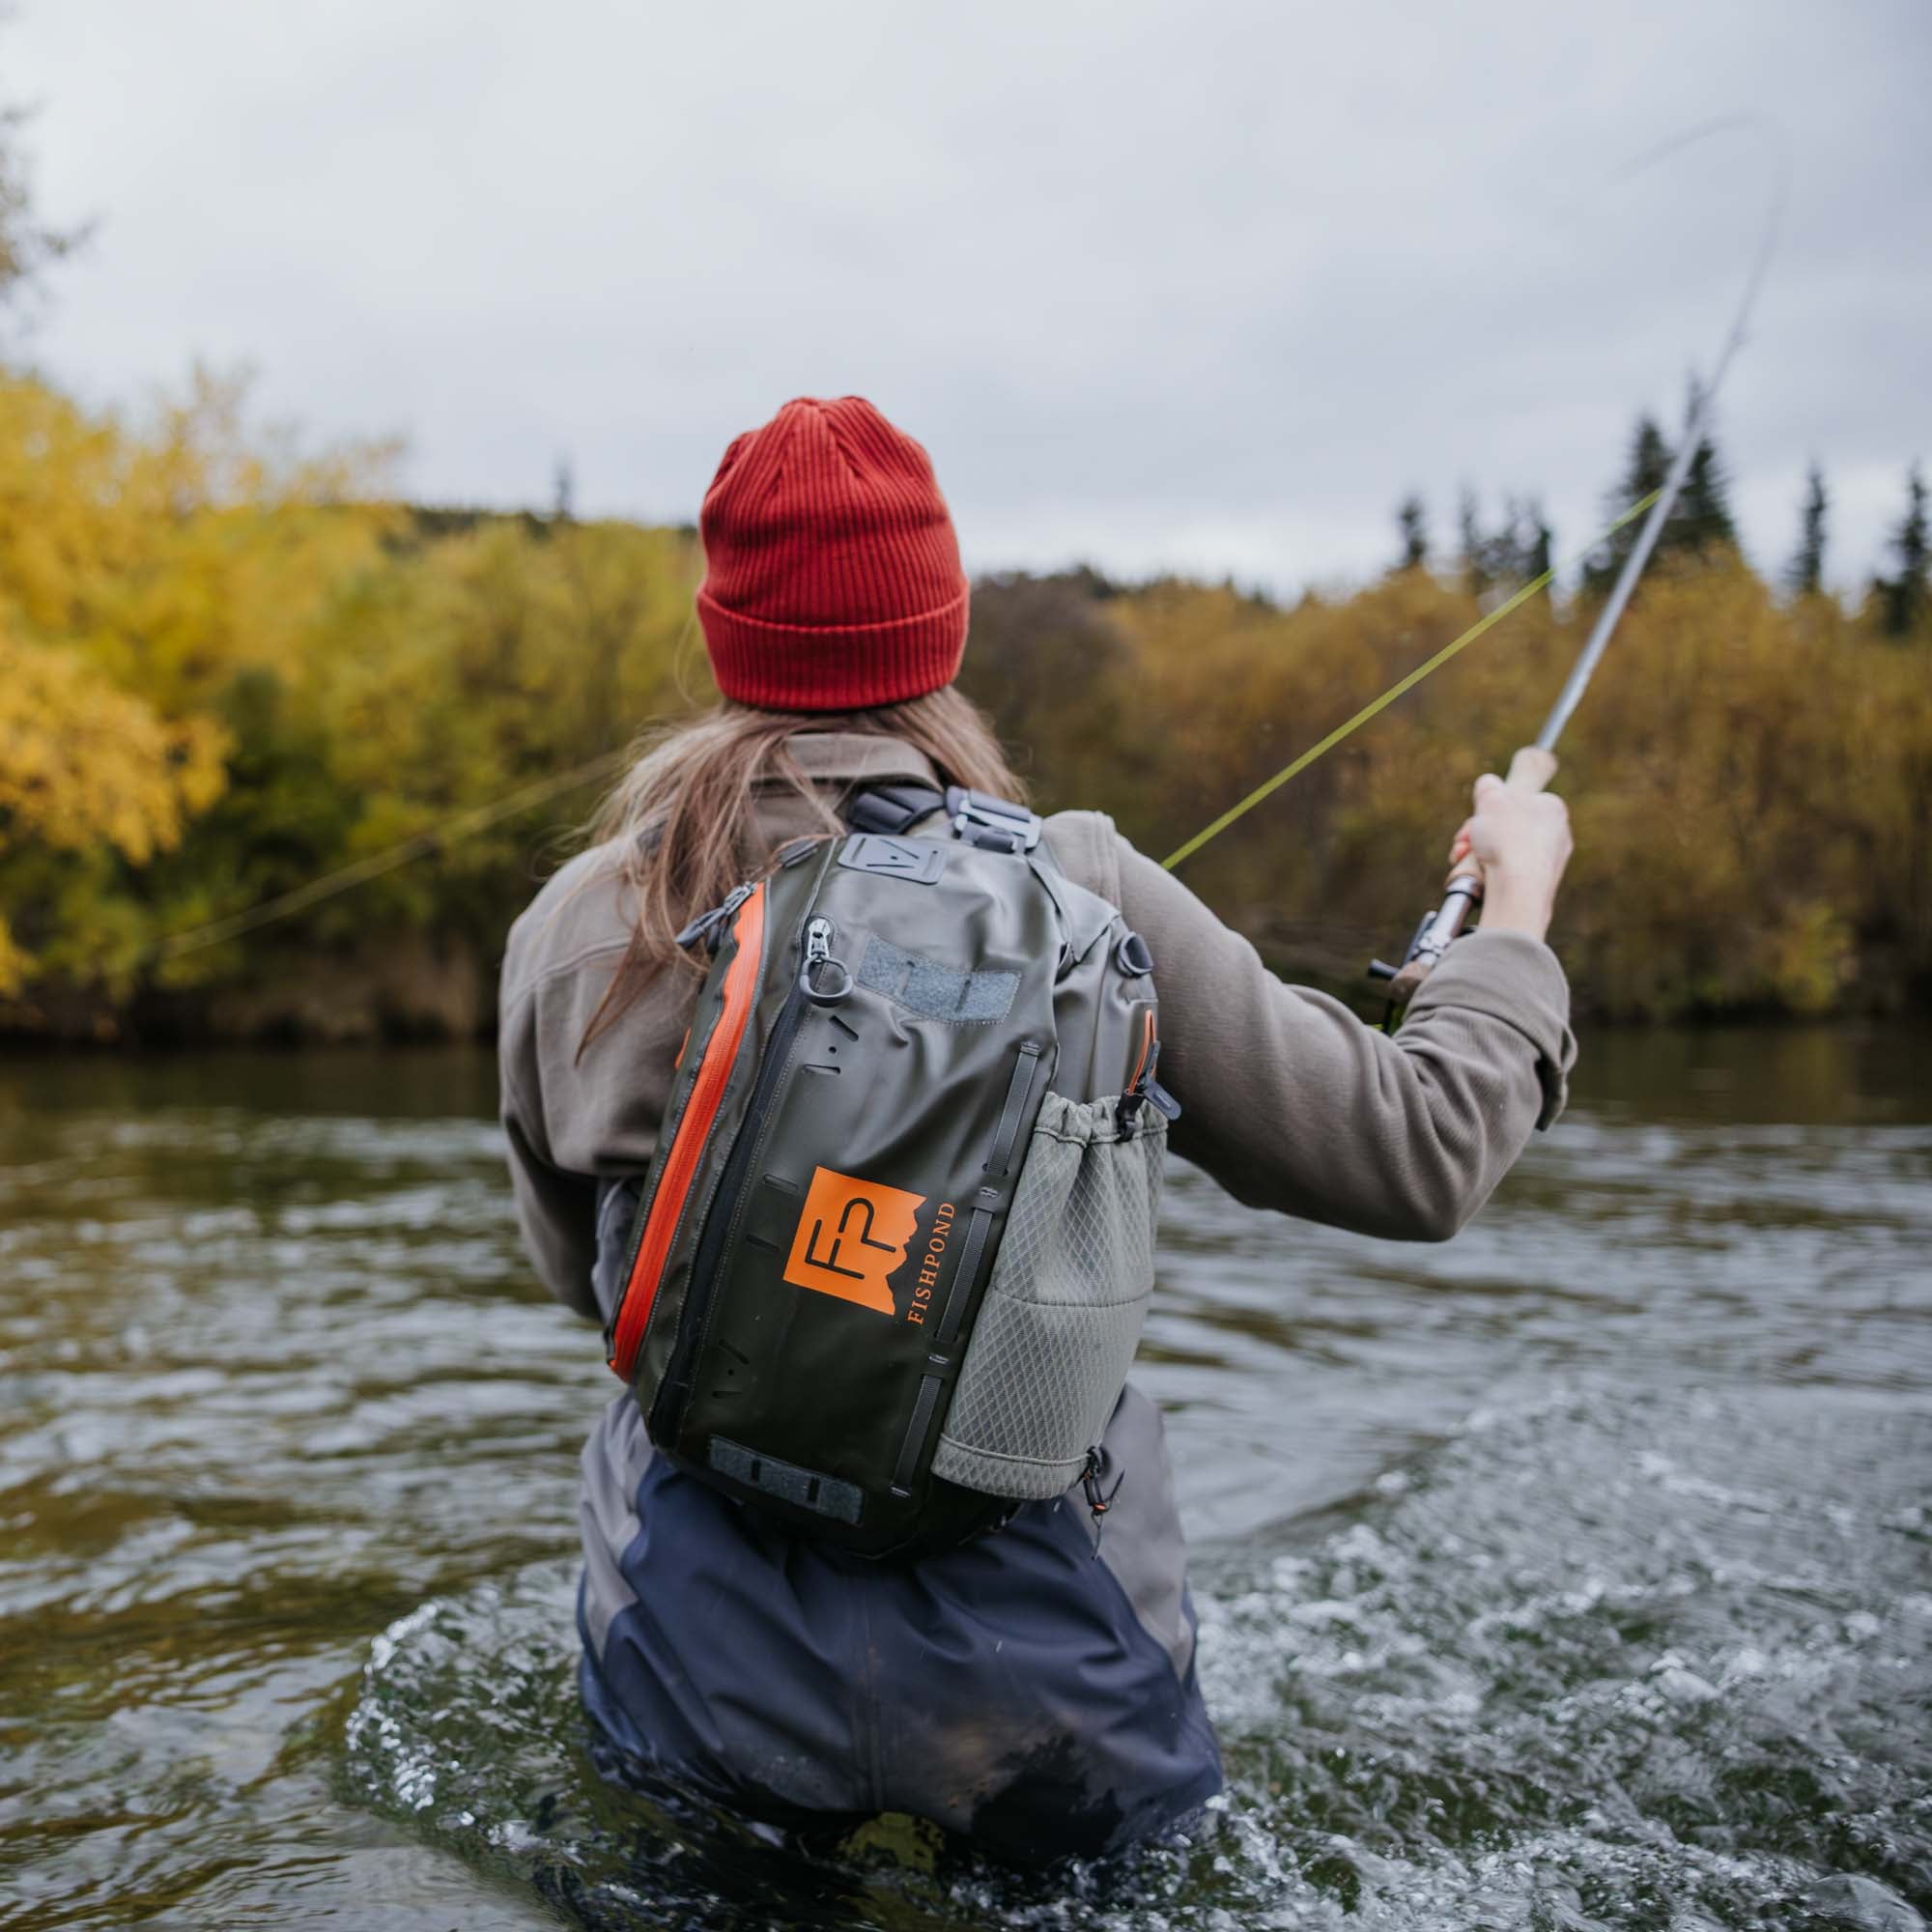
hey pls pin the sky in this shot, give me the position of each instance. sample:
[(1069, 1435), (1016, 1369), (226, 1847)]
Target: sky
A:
[(1160, 286)]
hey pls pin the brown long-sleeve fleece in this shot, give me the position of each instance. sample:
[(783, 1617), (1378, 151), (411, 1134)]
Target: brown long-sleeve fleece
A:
[(1289, 1100)]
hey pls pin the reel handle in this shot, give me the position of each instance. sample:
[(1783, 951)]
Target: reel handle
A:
[(1530, 770)]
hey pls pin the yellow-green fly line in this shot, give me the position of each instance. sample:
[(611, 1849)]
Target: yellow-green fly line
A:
[(463, 825), (1297, 766)]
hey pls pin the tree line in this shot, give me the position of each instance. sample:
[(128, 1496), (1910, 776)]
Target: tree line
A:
[(1520, 548), (227, 672), (230, 670)]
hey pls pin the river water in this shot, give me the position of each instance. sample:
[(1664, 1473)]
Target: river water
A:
[(1577, 1573)]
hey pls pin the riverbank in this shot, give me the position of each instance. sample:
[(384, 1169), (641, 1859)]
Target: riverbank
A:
[(428, 993), (415, 987)]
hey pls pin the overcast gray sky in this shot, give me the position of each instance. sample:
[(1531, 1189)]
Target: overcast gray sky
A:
[(1159, 285)]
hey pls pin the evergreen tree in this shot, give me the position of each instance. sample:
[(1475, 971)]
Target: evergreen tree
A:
[(1700, 520), (1471, 543), (1515, 552), (1536, 543), (1649, 463), (1645, 470), (1412, 520), (27, 245), (1805, 572), (1904, 600)]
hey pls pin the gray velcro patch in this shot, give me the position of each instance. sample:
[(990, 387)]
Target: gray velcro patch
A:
[(939, 992)]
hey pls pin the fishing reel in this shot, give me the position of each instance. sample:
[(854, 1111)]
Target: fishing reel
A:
[(1381, 970), (1434, 935), (1530, 770)]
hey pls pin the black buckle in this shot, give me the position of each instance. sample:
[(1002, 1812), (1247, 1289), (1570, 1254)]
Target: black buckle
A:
[(991, 823), (709, 926)]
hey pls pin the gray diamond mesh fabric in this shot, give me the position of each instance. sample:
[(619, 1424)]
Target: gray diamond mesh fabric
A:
[(1061, 1315)]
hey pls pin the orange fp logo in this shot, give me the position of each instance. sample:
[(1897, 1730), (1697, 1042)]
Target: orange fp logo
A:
[(851, 1236)]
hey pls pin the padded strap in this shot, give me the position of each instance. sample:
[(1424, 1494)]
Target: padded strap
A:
[(989, 823), (890, 809)]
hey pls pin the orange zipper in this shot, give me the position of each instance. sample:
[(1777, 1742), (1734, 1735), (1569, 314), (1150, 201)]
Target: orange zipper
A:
[(700, 1110)]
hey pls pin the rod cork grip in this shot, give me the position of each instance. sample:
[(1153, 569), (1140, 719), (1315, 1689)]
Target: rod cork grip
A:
[(1531, 769)]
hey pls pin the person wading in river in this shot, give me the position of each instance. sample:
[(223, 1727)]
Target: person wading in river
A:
[(1034, 1688)]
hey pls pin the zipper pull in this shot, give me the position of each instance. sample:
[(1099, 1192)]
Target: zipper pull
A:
[(707, 925), (1129, 1111), (837, 980), (1098, 1504)]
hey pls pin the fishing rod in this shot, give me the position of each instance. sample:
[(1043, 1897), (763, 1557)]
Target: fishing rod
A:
[(1403, 685), (1534, 765)]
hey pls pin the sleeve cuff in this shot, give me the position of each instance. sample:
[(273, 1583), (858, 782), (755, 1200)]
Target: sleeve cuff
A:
[(1516, 979)]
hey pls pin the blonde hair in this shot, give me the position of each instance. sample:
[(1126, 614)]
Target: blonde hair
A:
[(684, 817)]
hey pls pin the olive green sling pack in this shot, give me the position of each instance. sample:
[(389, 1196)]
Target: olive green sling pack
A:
[(891, 1257)]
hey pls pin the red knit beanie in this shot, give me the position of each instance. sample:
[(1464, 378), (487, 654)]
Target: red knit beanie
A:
[(832, 572)]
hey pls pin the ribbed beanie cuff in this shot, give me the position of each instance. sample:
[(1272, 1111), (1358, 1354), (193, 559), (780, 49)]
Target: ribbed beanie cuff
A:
[(813, 667)]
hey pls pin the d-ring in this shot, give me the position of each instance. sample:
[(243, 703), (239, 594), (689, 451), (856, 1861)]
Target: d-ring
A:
[(825, 996)]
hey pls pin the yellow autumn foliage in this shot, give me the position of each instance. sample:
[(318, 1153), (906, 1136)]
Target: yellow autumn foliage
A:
[(1750, 781), (83, 762)]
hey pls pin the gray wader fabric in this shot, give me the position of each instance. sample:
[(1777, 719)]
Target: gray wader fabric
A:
[(1034, 1689)]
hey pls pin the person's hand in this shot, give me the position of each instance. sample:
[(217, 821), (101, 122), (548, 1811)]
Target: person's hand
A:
[(1521, 841)]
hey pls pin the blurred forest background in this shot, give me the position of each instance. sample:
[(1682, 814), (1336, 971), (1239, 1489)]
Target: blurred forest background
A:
[(230, 668)]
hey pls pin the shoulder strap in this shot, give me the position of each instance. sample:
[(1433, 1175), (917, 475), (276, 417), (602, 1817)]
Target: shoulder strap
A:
[(993, 825), (989, 823), (890, 809)]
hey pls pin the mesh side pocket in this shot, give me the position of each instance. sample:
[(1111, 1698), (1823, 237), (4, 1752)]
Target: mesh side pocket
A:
[(1062, 1314)]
